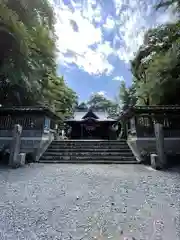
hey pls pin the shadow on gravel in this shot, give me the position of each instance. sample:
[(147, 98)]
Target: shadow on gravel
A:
[(174, 169), (173, 164), (4, 166)]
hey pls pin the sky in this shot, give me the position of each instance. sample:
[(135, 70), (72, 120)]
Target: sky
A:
[(96, 39)]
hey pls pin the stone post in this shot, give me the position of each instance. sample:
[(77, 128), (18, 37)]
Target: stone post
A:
[(81, 131), (15, 146), (133, 125), (159, 161)]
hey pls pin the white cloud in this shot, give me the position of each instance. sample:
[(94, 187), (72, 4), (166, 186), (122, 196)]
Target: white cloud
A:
[(110, 23), (118, 78), (77, 42), (136, 18), (101, 93), (91, 13), (77, 33), (105, 48)]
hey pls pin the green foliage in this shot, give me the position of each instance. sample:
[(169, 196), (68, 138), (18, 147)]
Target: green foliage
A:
[(57, 96), (165, 71), (175, 4), (99, 101), (27, 57), (127, 95), (156, 66), (82, 105)]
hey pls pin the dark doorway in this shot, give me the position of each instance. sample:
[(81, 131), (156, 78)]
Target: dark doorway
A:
[(89, 132)]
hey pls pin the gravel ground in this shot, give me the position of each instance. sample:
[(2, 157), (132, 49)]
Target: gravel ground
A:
[(43, 201)]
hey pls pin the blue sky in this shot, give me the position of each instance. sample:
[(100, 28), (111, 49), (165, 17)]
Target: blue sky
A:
[(98, 38)]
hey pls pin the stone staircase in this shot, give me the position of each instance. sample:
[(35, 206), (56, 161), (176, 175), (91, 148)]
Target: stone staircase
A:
[(88, 151)]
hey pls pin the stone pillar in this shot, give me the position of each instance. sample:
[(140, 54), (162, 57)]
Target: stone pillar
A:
[(69, 132), (126, 129), (110, 133), (81, 131), (159, 161), (114, 132), (15, 146)]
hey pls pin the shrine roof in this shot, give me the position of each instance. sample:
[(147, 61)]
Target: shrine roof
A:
[(94, 114), (149, 110), (37, 110)]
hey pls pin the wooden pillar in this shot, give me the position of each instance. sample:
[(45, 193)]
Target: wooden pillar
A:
[(81, 131), (133, 125), (126, 127), (159, 161)]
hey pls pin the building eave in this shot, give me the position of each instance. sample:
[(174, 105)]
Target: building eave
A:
[(16, 110), (148, 110), (85, 120)]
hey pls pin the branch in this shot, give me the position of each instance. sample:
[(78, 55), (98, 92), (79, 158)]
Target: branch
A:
[(146, 101)]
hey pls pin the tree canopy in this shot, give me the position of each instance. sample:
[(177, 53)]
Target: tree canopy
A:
[(156, 65), (99, 101), (28, 68), (127, 95)]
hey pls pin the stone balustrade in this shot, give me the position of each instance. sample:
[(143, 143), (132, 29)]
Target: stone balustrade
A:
[(139, 122)]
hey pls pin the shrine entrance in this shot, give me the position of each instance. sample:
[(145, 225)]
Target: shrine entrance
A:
[(89, 130), (90, 125)]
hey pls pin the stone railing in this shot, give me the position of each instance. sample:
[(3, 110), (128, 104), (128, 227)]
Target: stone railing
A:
[(44, 144), (148, 128), (27, 122), (140, 123), (145, 125), (38, 127), (19, 152)]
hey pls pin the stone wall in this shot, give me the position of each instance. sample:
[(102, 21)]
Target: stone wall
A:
[(47, 138), (36, 134), (29, 139), (141, 135), (141, 146)]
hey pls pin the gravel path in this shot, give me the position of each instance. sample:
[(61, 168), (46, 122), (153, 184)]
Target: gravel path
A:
[(83, 201)]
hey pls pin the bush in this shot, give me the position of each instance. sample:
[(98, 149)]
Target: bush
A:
[(30, 158), (4, 155), (146, 158)]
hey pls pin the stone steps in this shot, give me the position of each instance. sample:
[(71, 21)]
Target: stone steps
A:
[(88, 157), (95, 153), (88, 152), (88, 142), (89, 147), (56, 142), (93, 146), (85, 161)]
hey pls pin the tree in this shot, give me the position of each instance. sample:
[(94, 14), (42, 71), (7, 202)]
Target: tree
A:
[(57, 96), (127, 95), (33, 48), (32, 51), (82, 105), (27, 57), (165, 71), (155, 67), (101, 102), (175, 4), (150, 63)]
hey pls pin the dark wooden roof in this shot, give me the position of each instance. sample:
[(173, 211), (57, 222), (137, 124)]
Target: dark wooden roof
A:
[(147, 110), (90, 114), (101, 116), (157, 108), (16, 109), (69, 121)]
